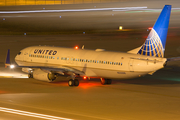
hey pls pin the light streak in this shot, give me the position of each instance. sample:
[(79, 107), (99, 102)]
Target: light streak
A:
[(84, 10), (73, 10), (143, 9), (31, 114)]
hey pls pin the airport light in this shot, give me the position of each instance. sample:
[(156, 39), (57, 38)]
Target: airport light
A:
[(120, 27)]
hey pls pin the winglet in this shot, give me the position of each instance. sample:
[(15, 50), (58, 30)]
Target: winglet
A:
[(156, 40), (7, 59)]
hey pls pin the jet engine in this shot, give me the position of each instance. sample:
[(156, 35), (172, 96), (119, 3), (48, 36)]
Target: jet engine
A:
[(44, 76)]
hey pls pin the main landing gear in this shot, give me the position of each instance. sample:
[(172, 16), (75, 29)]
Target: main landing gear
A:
[(74, 82), (30, 75), (106, 81)]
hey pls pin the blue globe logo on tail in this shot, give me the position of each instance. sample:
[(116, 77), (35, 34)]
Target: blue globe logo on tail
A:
[(152, 46), (156, 40)]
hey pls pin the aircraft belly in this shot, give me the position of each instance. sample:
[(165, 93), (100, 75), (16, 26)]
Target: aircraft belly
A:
[(113, 74)]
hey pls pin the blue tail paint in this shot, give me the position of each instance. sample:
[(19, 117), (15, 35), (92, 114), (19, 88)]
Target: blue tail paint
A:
[(8, 59), (156, 40)]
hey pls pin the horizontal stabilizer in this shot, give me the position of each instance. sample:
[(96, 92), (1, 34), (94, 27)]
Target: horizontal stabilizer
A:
[(173, 59)]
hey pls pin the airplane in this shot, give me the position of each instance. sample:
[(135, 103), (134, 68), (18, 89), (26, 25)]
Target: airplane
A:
[(46, 63)]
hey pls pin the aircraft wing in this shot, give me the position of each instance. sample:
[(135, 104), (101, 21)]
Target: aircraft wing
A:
[(60, 70)]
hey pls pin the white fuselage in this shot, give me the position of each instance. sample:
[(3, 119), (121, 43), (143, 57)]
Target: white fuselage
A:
[(105, 64)]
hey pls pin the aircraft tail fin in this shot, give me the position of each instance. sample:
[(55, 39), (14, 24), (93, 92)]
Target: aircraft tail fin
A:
[(156, 40), (7, 59)]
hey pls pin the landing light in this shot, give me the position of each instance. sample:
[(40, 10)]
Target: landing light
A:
[(12, 66), (76, 47)]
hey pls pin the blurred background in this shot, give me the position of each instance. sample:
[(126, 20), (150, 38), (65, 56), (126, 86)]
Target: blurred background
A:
[(53, 2)]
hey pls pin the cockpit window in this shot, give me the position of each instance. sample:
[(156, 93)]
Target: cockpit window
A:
[(19, 53)]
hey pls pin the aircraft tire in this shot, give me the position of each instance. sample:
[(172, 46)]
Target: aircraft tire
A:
[(71, 82), (76, 82), (109, 81), (103, 81)]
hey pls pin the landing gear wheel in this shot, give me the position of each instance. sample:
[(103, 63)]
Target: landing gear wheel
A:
[(71, 82), (76, 82), (103, 81), (30, 75), (109, 81)]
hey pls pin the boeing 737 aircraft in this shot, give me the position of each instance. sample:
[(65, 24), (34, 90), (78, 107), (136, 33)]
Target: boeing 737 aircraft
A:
[(48, 62)]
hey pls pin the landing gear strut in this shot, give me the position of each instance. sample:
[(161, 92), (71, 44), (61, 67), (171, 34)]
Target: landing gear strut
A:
[(105, 81), (30, 75)]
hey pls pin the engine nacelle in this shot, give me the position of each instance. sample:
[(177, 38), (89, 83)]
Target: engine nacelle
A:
[(44, 76)]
